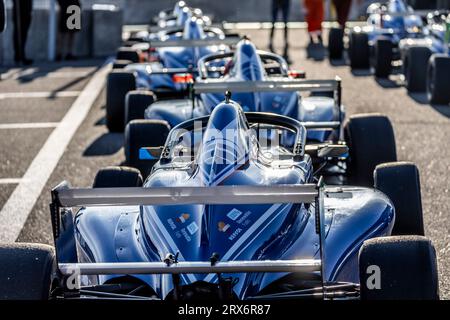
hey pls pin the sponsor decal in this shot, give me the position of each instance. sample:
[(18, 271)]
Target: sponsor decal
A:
[(223, 227), (235, 234), (171, 224), (182, 218), (192, 228), (185, 235), (234, 214), (243, 220)]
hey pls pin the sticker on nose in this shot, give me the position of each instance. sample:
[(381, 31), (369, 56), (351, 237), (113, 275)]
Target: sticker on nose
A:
[(192, 228), (182, 218), (223, 227), (234, 214)]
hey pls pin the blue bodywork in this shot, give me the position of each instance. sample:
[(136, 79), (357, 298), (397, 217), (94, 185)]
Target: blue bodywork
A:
[(235, 232), (246, 65), (174, 58), (170, 20), (394, 21), (433, 36)]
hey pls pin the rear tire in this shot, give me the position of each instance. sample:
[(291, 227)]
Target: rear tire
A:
[(128, 53), (438, 80), (383, 58), (26, 271), (136, 102), (359, 51), (371, 141), (415, 68), (401, 183), (117, 177), (118, 84), (407, 267), (335, 43), (144, 133)]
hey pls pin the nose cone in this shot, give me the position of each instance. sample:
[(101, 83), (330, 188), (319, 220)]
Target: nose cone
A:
[(193, 29), (248, 64), (184, 16), (225, 145), (178, 8)]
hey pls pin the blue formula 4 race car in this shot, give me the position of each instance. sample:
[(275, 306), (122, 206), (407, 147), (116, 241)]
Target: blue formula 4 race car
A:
[(426, 61), (376, 43), (225, 215), (169, 17), (166, 26), (166, 62), (260, 82)]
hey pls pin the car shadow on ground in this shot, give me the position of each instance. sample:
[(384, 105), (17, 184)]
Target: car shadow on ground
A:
[(442, 109), (105, 145), (421, 98), (42, 69), (101, 121), (316, 52), (361, 72), (388, 83), (338, 62)]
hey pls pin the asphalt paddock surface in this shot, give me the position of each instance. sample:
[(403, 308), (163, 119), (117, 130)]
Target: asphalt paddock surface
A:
[(422, 134)]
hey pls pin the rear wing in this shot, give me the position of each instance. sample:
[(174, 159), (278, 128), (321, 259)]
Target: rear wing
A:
[(421, 13), (211, 86), (64, 197), (291, 85), (172, 71), (228, 41)]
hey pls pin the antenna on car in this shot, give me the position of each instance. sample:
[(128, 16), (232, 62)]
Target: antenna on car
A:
[(227, 96)]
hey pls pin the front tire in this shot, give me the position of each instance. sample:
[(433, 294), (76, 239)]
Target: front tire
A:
[(117, 177), (415, 68), (136, 102), (383, 58), (335, 43), (119, 83), (438, 80), (401, 183), (128, 53), (371, 141), (359, 50), (26, 271), (144, 133), (398, 268)]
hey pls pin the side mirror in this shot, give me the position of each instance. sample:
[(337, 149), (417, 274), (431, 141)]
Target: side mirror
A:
[(327, 150), (150, 153), (2, 16)]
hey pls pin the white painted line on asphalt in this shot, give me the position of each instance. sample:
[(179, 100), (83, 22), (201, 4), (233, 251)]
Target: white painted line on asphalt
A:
[(19, 205), (10, 180), (31, 125), (38, 94)]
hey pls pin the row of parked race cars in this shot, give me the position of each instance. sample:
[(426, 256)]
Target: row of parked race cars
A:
[(243, 179), (397, 37)]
